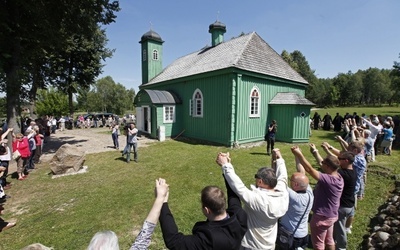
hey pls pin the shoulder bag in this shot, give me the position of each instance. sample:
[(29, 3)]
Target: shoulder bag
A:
[(285, 237)]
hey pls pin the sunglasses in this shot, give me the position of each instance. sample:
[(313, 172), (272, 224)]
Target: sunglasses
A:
[(257, 176)]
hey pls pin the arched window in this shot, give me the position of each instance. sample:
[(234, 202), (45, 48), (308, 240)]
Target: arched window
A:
[(144, 56), (155, 54), (255, 102), (196, 106)]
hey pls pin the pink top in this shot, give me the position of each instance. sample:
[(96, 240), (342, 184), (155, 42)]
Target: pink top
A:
[(22, 146)]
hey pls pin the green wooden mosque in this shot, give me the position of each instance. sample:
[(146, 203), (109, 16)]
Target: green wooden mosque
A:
[(226, 93)]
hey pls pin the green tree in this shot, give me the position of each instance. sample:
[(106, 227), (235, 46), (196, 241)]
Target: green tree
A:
[(299, 63), (395, 81), (376, 86), (108, 96), (52, 102), (80, 62), (41, 27)]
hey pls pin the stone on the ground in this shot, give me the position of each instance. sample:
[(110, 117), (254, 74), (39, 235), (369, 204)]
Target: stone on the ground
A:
[(67, 159)]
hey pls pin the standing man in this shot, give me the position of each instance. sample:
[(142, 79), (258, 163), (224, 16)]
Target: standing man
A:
[(223, 229), (270, 136), (327, 194), (265, 202), (132, 143), (347, 199), (301, 199), (61, 123)]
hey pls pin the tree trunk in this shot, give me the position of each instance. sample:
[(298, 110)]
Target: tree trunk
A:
[(36, 84), (70, 87), (70, 102), (13, 87)]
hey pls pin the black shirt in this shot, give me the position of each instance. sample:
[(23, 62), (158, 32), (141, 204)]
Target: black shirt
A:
[(348, 197)]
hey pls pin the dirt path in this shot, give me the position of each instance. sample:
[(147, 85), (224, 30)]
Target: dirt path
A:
[(93, 140)]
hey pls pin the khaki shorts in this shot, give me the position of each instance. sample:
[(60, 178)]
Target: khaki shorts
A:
[(386, 143)]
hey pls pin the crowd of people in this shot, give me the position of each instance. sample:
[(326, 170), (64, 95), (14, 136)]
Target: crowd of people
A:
[(255, 217), (276, 207), (382, 129)]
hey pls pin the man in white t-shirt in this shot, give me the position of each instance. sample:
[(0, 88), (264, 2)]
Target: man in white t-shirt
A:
[(265, 202)]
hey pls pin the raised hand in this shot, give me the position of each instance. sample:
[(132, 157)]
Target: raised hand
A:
[(222, 158)]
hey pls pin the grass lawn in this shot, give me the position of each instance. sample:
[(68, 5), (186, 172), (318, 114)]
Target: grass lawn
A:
[(66, 212)]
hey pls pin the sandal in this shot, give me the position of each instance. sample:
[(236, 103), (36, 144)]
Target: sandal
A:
[(21, 178)]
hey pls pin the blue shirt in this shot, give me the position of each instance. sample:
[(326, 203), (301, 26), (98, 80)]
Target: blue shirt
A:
[(359, 165), (297, 205), (388, 133)]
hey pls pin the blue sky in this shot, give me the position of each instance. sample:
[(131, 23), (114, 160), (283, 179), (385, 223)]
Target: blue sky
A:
[(334, 36)]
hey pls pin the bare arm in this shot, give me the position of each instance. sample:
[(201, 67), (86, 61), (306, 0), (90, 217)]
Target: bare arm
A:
[(315, 153), (5, 134), (307, 166), (299, 167), (343, 143), (162, 193), (329, 149)]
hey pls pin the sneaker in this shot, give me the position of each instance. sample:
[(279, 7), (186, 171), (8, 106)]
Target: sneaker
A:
[(348, 230)]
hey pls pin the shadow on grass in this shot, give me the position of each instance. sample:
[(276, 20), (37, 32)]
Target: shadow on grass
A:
[(257, 153)]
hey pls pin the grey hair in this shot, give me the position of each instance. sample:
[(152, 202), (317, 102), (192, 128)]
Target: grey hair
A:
[(105, 240), (37, 246)]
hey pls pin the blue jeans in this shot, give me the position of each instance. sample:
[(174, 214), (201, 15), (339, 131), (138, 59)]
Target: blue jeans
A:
[(31, 163), (130, 146), (115, 140), (339, 228)]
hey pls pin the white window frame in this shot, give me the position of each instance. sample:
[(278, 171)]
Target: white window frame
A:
[(197, 103), (170, 118), (155, 55), (254, 104), (191, 107)]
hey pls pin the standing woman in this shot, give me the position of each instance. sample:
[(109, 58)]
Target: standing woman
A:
[(270, 136), (39, 143), (114, 134), (21, 144)]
